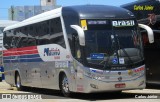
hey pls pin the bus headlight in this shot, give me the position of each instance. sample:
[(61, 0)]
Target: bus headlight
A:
[(94, 86), (88, 74)]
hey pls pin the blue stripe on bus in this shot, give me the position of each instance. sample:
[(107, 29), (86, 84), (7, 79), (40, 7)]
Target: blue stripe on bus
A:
[(29, 56), (23, 56), (24, 60)]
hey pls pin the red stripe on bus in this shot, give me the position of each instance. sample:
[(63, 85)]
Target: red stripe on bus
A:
[(20, 51)]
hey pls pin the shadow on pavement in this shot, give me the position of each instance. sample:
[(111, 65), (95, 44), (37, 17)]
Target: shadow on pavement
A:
[(54, 94), (153, 86), (46, 93)]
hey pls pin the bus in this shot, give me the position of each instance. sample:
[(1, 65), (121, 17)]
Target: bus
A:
[(150, 17), (83, 49), (3, 24)]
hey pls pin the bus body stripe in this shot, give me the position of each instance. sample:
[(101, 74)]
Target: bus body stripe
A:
[(20, 51), (21, 57), (24, 60), (25, 54)]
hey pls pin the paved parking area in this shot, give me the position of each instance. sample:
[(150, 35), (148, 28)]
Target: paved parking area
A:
[(55, 96)]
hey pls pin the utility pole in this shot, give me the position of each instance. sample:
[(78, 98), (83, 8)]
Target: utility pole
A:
[(12, 12)]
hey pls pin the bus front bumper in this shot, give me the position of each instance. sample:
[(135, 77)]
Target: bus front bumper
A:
[(94, 85)]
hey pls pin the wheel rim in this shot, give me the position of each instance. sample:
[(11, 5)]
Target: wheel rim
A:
[(65, 85), (18, 81)]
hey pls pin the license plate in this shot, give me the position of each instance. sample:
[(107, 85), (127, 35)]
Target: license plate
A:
[(120, 85)]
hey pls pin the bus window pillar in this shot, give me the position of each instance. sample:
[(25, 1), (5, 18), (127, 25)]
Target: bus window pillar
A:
[(79, 43), (80, 34)]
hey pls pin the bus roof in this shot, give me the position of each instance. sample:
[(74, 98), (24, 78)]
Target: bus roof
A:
[(83, 11), (35, 19), (98, 11)]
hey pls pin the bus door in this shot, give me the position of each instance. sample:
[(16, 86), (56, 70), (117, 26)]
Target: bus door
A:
[(77, 50)]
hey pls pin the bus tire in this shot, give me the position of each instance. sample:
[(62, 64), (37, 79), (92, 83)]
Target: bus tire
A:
[(18, 82), (64, 86)]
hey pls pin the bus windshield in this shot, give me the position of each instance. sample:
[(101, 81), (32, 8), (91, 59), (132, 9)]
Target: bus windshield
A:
[(119, 46)]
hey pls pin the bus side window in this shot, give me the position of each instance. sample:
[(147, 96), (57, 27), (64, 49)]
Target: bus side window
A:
[(43, 33), (14, 38), (76, 47), (31, 36), (56, 33), (7, 39), (22, 41)]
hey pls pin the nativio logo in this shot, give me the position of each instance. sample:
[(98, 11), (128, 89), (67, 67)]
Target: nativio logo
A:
[(51, 52)]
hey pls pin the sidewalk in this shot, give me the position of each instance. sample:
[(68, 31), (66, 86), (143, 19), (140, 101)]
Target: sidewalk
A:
[(4, 85)]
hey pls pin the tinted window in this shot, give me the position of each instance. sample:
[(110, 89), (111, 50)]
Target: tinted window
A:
[(46, 32), (31, 36), (22, 41), (13, 38), (1, 30), (56, 34), (7, 39), (43, 33)]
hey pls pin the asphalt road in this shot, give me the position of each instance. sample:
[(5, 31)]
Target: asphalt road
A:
[(55, 96)]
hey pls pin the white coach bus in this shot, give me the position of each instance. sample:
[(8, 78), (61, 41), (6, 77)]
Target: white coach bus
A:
[(87, 48)]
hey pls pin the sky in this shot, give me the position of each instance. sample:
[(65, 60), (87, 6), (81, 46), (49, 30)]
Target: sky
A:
[(5, 4)]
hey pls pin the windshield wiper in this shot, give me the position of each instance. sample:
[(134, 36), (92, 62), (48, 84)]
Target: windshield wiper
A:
[(120, 47), (107, 64)]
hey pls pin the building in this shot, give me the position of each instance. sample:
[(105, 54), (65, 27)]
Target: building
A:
[(19, 13), (48, 2)]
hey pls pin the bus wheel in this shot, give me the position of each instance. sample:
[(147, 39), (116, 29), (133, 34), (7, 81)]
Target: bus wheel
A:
[(18, 82), (65, 86)]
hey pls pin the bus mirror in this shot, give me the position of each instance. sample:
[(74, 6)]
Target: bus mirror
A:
[(149, 32), (80, 34)]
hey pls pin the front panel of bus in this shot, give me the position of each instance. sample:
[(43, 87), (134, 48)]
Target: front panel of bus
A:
[(112, 56)]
